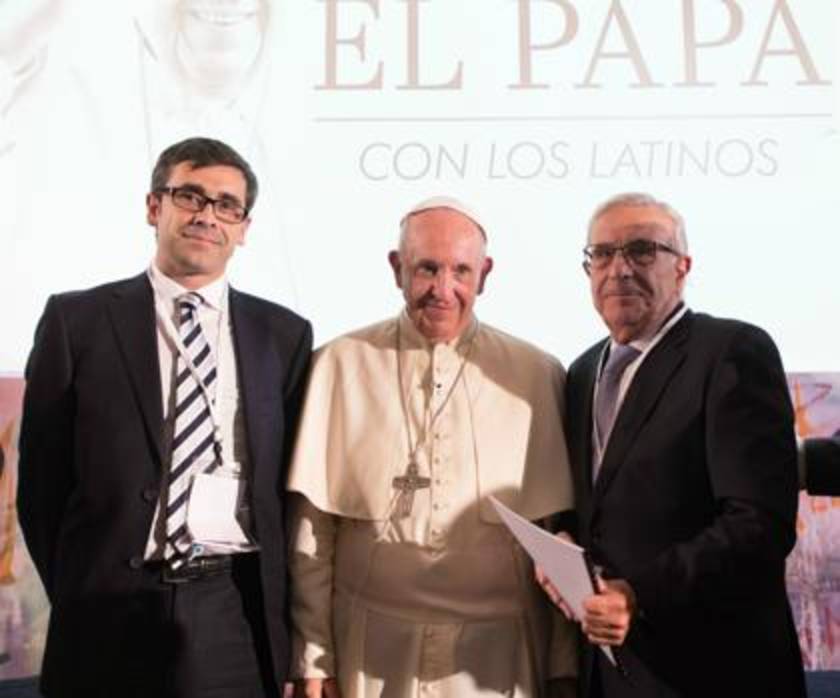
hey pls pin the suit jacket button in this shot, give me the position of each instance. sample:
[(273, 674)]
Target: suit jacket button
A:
[(150, 494), (136, 562)]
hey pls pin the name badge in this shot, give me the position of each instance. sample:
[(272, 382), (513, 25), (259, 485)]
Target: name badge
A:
[(215, 500)]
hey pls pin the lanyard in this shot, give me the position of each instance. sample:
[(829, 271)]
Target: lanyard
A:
[(174, 336)]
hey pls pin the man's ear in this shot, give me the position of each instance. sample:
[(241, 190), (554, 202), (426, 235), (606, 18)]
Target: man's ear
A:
[(486, 268), (396, 265), (153, 202), (243, 228), (683, 267)]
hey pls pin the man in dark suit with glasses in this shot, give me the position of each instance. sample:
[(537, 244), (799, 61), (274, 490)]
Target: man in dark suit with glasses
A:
[(157, 421), (681, 440)]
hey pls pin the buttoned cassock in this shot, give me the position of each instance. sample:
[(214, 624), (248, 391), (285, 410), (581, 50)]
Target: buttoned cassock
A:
[(442, 602)]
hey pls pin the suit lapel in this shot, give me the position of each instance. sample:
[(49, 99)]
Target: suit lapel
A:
[(254, 363), (585, 447), (642, 398), (132, 313)]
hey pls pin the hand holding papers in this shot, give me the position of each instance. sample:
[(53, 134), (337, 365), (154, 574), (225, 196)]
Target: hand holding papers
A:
[(563, 562)]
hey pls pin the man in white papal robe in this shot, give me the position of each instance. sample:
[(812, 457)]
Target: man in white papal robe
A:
[(404, 581)]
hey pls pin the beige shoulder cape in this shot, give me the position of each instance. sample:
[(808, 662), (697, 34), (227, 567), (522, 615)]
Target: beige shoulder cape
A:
[(352, 439)]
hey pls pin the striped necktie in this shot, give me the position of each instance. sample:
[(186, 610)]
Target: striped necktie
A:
[(194, 446)]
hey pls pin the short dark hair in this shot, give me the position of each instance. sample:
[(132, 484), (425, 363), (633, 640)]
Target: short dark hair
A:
[(204, 152)]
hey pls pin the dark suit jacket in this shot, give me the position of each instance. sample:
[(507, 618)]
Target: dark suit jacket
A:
[(822, 466), (91, 461), (695, 507)]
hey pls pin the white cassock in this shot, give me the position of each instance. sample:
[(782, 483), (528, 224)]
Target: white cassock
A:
[(440, 602)]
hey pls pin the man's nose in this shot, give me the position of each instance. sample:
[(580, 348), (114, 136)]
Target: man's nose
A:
[(206, 216), (619, 265), (443, 284)]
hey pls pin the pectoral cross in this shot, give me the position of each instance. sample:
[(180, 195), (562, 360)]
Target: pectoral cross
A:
[(408, 484)]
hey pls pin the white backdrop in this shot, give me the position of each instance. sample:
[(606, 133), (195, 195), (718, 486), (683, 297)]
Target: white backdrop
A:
[(352, 110)]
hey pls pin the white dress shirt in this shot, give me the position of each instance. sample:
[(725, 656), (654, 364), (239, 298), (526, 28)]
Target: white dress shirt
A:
[(214, 318)]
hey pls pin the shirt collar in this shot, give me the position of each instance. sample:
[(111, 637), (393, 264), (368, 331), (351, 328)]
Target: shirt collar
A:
[(168, 290), (645, 344)]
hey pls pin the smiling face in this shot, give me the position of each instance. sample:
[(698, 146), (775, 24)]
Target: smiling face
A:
[(193, 247), (219, 41), (634, 300), (440, 268)]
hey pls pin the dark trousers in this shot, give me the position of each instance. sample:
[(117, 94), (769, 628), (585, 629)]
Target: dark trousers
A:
[(219, 640), (204, 638)]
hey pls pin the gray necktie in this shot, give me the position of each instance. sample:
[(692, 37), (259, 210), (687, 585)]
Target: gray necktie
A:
[(194, 446), (606, 402)]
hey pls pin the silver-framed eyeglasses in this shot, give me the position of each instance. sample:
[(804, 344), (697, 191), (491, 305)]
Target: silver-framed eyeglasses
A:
[(639, 253), (226, 208)]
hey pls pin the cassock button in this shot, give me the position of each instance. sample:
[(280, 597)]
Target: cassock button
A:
[(150, 494), (136, 562)]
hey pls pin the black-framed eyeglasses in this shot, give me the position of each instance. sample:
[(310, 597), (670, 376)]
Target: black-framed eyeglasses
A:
[(639, 253), (226, 209)]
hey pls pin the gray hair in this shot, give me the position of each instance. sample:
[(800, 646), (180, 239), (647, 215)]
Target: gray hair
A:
[(641, 199)]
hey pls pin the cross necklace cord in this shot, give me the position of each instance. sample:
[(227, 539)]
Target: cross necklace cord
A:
[(412, 481)]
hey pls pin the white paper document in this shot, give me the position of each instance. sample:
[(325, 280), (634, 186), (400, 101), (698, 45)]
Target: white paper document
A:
[(564, 563)]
